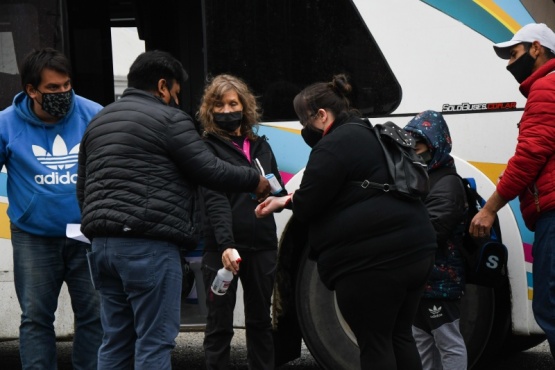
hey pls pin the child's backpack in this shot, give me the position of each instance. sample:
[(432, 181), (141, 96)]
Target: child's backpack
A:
[(486, 258), (407, 171)]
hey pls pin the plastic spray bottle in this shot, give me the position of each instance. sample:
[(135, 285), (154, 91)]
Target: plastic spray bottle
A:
[(224, 277)]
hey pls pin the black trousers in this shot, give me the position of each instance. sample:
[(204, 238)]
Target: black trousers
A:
[(257, 274), (380, 305)]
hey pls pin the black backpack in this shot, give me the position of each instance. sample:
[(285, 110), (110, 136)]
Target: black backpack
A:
[(407, 171), (485, 258)]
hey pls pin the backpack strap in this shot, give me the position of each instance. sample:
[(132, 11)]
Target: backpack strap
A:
[(375, 185), (366, 183)]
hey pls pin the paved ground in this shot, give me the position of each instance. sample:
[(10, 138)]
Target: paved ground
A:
[(188, 355)]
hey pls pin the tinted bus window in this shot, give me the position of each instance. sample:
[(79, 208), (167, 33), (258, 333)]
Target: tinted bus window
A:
[(24, 25), (279, 47)]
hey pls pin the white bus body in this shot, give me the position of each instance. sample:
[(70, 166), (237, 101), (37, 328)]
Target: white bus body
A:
[(431, 54)]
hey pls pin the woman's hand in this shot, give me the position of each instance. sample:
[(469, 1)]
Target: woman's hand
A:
[(231, 259), (271, 204)]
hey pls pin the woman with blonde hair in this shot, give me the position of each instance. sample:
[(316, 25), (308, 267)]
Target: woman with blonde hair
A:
[(229, 117)]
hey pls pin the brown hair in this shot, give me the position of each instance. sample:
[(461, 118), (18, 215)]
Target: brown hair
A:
[(324, 95), (214, 91)]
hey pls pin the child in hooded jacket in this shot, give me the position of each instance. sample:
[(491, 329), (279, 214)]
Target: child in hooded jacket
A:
[(436, 326)]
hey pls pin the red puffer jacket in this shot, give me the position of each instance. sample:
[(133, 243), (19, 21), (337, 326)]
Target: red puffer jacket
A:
[(530, 173)]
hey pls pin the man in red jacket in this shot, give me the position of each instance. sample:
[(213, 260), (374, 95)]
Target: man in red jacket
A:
[(529, 173)]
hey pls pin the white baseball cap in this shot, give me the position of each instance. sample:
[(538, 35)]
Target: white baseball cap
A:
[(529, 33)]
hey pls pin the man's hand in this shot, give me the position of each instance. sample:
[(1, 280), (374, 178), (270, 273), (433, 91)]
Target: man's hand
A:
[(483, 220), (263, 189), (481, 223)]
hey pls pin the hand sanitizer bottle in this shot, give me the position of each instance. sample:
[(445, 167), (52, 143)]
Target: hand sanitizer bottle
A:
[(223, 278)]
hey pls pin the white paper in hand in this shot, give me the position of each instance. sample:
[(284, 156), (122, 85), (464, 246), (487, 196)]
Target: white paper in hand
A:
[(73, 231)]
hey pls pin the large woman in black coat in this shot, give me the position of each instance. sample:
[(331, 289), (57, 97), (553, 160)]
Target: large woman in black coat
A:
[(375, 249)]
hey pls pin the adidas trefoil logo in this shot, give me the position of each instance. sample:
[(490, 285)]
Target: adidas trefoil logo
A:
[(60, 159), (435, 312)]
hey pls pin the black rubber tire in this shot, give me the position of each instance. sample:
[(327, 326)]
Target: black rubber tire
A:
[(333, 345), (325, 333), (500, 328), (477, 317), (519, 343)]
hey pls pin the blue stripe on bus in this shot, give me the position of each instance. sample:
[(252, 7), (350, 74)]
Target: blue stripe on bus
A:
[(515, 9), (480, 20), (289, 148), (529, 279)]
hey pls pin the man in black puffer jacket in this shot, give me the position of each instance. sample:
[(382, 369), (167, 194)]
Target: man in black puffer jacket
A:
[(139, 163)]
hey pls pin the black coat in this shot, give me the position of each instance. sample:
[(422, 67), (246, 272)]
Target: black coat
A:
[(446, 205), (230, 220), (139, 163), (351, 228)]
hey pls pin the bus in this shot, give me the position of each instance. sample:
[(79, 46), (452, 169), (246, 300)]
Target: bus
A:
[(403, 57)]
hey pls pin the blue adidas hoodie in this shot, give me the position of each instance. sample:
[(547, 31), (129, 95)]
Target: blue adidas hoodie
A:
[(41, 162)]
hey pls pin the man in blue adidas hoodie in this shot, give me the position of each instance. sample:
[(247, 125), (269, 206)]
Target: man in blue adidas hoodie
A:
[(39, 144)]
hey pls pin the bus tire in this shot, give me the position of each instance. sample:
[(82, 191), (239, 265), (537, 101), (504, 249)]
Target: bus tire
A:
[(477, 321), (325, 333), (332, 343)]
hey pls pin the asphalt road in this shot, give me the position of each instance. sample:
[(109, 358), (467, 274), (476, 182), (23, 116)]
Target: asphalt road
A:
[(188, 355)]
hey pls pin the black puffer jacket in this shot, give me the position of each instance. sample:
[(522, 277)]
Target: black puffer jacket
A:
[(230, 219), (139, 163)]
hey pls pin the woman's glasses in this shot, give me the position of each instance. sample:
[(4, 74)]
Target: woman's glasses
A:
[(305, 121)]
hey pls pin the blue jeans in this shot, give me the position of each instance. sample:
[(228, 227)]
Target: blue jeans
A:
[(41, 265), (543, 250), (140, 289)]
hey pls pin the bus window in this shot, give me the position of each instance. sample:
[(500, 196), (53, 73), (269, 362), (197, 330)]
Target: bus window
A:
[(280, 47), (126, 47), (22, 29)]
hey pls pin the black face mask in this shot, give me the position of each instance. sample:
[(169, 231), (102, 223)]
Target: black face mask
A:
[(173, 103), (311, 136), (521, 68), (56, 104), (426, 156), (228, 121)]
